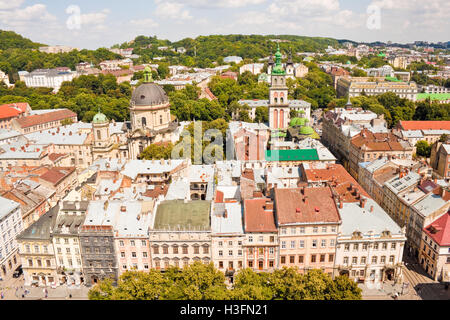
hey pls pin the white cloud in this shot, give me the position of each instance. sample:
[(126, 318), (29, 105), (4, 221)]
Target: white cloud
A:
[(144, 23), (27, 15), (414, 14), (172, 10), (10, 4), (303, 7), (220, 3), (94, 18)]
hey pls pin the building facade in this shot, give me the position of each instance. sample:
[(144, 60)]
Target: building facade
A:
[(10, 226)]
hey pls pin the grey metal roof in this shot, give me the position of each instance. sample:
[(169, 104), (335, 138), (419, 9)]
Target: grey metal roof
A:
[(354, 218), (149, 94), (41, 229), (6, 206), (232, 223)]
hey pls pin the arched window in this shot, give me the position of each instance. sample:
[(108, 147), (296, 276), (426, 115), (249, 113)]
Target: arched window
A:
[(276, 100), (144, 121), (275, 118), (160, 119), (99, 135), (281, 119), (274, 80), (281, 100)]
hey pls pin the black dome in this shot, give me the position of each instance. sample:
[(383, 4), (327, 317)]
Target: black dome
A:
[(149, 94)]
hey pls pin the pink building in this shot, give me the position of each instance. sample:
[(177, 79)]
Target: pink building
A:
[(131, 236)]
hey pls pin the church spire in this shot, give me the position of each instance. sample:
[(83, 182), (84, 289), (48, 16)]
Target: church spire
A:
[(278, 68)]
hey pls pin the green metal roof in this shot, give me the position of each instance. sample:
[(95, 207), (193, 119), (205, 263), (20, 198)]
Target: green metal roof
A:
[(292, 155), (306, 130), (297, 122), (99, 118), (433, 96), (392, 79), (278, 68), (177, 215)]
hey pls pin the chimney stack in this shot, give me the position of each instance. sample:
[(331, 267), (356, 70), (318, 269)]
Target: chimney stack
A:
[(362, 202)]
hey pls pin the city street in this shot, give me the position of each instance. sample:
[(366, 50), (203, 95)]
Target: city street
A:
[(13, 289), (419, 286), (425, 287)]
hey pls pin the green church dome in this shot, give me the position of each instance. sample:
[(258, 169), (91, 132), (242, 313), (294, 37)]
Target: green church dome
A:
[(306, 130), (99, 118), (297, 122)]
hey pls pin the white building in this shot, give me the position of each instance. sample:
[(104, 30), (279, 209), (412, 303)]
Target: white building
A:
[(227, 236), (66, 241), (48, 78), (10, 226), (370, 244), (57, 49), (4, 78), (231, 59), (254, 68)]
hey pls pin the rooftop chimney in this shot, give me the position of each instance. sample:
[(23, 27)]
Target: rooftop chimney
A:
[(362, 202)]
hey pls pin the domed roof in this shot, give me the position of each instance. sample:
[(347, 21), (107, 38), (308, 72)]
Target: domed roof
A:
[(149, 94), (297, 122), (306, 130), (99, 118)]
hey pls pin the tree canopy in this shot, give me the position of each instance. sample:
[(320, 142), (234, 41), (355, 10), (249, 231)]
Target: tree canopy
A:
[(200, 281)]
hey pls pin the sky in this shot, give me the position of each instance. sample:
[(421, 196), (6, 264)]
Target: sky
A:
[(102, 23)]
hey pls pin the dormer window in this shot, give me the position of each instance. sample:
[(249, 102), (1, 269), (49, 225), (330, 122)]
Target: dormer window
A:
[(142, 97)]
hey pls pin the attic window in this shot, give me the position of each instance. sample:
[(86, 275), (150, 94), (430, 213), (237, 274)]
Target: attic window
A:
[(142, 97)]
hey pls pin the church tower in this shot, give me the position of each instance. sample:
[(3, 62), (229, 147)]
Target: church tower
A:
[(278, 96), (290, 67), (102, 144), (149, 115)]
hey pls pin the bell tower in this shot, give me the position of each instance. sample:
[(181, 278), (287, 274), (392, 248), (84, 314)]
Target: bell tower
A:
[(278, 95)]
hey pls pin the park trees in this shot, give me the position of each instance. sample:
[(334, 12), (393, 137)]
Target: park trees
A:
[(200, 281)]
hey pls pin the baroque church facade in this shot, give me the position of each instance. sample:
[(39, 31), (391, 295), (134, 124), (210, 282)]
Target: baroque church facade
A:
[(150, 122)]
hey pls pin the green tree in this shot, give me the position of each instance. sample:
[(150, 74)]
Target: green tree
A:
[(423, 149), (261, 114), (443, 138), (157, 151)]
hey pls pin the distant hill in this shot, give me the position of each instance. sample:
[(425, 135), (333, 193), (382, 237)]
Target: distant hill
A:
[(10, 39), (245, 46)]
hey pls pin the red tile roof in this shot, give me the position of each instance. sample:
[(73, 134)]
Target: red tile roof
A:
[(257, 218), (23, 106), (37, 119), (377, 141), (156, 192), (56, 156), (12, 110), (439, 230), (305, 205), (424, 125), (340, 180), (57, 174), (210, 94)]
